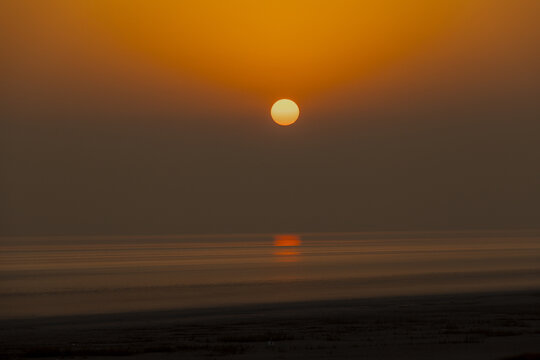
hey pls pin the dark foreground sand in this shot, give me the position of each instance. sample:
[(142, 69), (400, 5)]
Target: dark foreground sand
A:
[(466, 326)]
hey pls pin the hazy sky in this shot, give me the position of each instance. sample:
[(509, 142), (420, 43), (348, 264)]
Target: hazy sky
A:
[(134, 117)]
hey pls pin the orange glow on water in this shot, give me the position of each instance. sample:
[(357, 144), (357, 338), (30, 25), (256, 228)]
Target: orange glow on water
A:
[(287, 256), (290, 242), (287, 240), (287, 253)]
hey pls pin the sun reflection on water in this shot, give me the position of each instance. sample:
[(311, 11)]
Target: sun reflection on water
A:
[(287, 247)]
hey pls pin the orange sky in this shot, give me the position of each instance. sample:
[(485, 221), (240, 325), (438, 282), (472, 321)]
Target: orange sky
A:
[(268, 50), (277, 48)]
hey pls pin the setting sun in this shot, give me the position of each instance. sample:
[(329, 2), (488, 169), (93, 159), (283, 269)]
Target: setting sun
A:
[(285, 112)]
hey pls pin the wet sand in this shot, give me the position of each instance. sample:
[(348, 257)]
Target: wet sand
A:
[(494, 325)]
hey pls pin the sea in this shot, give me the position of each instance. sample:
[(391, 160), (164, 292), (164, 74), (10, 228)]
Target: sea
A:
[(68, 275)]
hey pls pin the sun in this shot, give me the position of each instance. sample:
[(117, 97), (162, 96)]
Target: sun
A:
[(285, 112)]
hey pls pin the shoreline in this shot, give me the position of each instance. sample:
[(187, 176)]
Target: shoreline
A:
[(486, 325)]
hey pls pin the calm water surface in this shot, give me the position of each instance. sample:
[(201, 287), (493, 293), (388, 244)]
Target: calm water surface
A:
[(77, 275)]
